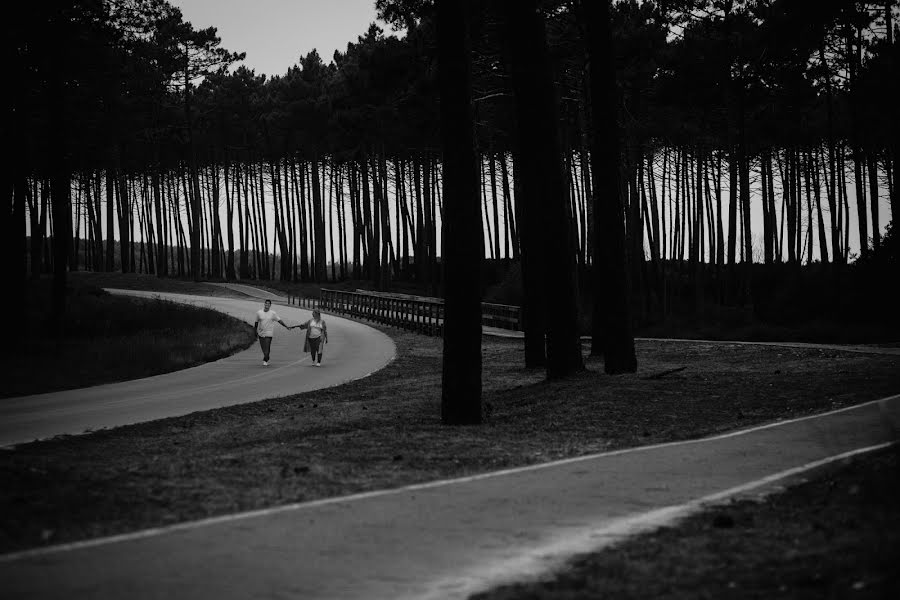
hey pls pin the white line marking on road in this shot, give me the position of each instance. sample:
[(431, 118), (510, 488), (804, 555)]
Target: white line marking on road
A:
[(409, 488), (543, 559)]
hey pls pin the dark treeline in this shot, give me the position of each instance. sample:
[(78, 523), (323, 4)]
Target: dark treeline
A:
[(751, 131)]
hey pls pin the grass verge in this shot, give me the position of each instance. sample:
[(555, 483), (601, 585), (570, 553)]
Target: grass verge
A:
[(109, 338), (384, 431), (139, 281), (837, 536)]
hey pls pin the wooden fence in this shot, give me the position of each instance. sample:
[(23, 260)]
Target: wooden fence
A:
[(414, 313)]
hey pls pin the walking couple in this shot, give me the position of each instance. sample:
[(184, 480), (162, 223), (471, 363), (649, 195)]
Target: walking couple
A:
[(316, 334)]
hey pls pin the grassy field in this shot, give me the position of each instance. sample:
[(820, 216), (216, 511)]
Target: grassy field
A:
[(837, 536), (109, 338), (830, 538), (384, 431)]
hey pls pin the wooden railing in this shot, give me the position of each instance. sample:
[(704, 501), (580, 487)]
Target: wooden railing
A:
[(423, 315), (303, 301), (414, 313)]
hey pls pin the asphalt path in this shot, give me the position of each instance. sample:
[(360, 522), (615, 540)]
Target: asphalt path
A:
[(447, 539), (354, 350), (249, 290)]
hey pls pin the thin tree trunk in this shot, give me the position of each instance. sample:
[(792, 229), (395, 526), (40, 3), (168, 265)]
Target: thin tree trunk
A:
[(873, 199), (493, 174), (509, 210)]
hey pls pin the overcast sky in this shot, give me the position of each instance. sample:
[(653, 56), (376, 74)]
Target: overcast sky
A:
[(275, 33)]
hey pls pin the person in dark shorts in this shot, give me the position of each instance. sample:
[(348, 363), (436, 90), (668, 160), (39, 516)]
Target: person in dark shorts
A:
[(265, 328), (316, 337)]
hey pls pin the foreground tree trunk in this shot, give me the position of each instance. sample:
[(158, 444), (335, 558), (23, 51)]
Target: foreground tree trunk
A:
[(546, 209), (461, 381), (612, 332), (59, 177)]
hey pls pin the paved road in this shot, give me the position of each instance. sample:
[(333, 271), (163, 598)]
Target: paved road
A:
[(446, 539), (354, 350), (249, 290)]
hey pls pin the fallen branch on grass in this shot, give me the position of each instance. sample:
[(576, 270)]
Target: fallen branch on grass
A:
[(664, 373)]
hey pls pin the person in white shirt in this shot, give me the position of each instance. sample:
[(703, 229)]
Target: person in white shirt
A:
[(265, 328), (316, 337)]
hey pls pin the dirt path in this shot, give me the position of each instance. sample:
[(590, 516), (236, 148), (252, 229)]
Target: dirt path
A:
[(354, 350)]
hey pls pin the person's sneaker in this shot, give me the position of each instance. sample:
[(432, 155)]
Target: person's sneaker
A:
[(318, 364), (265, 363)]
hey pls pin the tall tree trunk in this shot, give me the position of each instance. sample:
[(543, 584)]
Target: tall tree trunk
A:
[(732, 207), (420, 240), (893, 151), (304, 223), (486, 215), (768, 233), (215, 261), (817, 190), (371, 246), (873, 200), (230, 197), (430, 225), (123, 210), (461, 377), (612, 332), (319, 223), (541, 153), (60, 180), (493, 174), (532, 272), (110, 223), (355, 214), (385, 222), (509, 210), (161, 260), (194, 198)]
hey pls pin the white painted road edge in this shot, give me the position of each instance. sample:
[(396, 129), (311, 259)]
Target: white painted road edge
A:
[(631, 524), (548, 557)]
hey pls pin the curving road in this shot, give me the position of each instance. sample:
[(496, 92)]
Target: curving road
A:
[(354, 350)]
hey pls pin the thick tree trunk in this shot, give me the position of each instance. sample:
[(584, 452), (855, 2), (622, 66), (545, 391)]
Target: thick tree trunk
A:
[(547, 215), (461, 377), (60, 179), (612, 318)]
